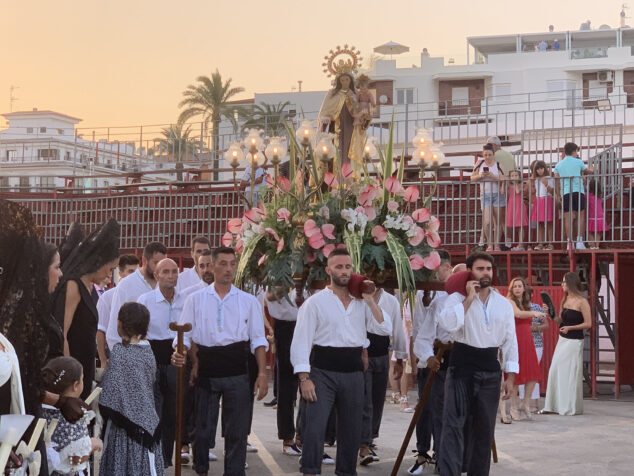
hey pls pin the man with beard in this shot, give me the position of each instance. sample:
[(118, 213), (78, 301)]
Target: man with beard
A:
[(328, 341), (130, 288), (479, 324), (191, 276), (165, 305), (205, 274)]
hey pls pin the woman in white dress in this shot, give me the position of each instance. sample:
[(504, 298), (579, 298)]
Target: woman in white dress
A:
[(564, 394)]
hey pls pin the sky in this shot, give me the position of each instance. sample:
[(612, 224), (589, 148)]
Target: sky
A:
[(127, 62)]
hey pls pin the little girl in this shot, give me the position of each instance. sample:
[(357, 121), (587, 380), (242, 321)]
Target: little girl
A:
[(596, 217), (132, 439), (516, 210), (542, 212), (72, 442)]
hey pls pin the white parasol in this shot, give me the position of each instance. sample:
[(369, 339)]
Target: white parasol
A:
[(391, 48)]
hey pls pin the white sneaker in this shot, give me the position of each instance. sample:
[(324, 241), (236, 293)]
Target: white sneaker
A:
[(579, 245), (291, 450), (251, 448), (326, 459), (246, 465), (212, 457)]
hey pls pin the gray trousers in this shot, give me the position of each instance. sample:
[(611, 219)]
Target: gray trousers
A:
[(165, 403), (375, 379), (430, 422), (468, 426), (236, 401), (344, 391)]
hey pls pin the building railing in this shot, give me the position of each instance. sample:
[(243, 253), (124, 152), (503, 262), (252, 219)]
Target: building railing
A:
[(175, 216)]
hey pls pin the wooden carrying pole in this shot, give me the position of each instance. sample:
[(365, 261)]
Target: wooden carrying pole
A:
[(179, 394), (419, 409)]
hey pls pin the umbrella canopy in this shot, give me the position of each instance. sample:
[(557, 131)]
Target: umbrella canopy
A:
[(391, 48)]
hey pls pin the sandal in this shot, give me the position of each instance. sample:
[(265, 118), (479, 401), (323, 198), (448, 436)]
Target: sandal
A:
[(405, 408), (506, 420), (515, 414), (395, 398), (538, 248), (549, 247)]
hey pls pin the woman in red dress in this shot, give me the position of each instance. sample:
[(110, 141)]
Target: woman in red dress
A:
[(529, 365)]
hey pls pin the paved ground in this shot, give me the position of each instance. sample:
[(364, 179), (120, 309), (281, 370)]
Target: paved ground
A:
[(596, 443)]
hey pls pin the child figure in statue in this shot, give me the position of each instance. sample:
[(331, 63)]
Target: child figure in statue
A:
[(365, 103)]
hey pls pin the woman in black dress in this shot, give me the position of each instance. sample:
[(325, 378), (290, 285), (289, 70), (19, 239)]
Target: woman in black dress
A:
[(87, 263)]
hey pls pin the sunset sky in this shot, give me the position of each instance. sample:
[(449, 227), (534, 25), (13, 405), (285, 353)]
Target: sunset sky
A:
[(126, 62)]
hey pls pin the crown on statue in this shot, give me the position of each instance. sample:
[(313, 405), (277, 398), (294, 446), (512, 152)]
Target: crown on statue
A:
[(342, 60)]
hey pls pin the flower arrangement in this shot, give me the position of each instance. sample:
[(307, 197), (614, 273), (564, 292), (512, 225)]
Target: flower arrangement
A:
[(387, 232)]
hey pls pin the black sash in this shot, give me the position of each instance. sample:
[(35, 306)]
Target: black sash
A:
[(379, 345), (337, 359), (223, 360), (162, 350), (467, 360)]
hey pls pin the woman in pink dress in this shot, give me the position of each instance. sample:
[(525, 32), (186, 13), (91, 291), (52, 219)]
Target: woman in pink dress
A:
[(516, 210), (596, 217)]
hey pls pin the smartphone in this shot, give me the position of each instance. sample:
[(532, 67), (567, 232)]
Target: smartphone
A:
[(485, 169)]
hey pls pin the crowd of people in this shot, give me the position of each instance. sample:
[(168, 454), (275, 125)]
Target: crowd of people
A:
[(335, 355), (513, 206)]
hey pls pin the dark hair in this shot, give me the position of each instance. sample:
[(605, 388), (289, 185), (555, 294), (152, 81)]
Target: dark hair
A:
[(473, 257), (338, 252), (338, 83), (127, 260), (525, 303), (206, 253), (594, 187), (488, 147), (201, 240), (154, 247), (60, 373), (538, 164), (573, 281), (135, 319), (570, 147), (444, 255), (222, 250), (49, 250)]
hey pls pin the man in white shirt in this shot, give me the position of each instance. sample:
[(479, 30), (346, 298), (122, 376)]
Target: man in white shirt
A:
[(205, 273), (127, 265), (226, 327), (165, 305), (328, 341), (479, 324), (430, 421), (245, 183), (377, 376), (191, 276), (130, 288)]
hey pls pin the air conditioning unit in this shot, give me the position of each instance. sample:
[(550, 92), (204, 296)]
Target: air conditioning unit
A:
[(605, 76)]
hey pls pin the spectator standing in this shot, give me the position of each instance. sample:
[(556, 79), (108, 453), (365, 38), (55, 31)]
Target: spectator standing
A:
[(543, 206), (516, 210), (596, 217)]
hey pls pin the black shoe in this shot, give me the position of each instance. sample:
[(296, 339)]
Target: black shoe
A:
[(272, 403), (366, 460), (375, 457)]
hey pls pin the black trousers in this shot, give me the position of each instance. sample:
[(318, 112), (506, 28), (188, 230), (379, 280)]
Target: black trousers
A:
[(430, 422), (286, 380), (235, 394), (165, 402), (376, 379), (468, 424), (344, 392)]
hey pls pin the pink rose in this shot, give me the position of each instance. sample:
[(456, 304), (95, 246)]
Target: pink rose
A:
[(227, 239), (273, 233), (416, 261), (329, 248), (421, 215), (311, 228), (283, 214), (433, 239), (392, 206), (330, 180), (346, 170), (280, 245), (412, 193), (328, 230), (418, 237), (316, 240), (409, 220), (234, 226), (432, 261), (379, 234)]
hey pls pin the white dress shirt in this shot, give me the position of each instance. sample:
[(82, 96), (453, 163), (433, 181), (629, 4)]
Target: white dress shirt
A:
[(490, 325), (128, 290), (218, 322), (282, 309), (322, 320), (162, 313), (391, 305), (192, 289), (103, 309), (187, 278), (429, 330)]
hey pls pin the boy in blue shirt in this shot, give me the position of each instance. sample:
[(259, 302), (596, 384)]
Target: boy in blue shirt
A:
[(568, 174)]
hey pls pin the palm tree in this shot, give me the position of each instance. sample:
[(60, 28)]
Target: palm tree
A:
[(177, 144), (208, 98), (269, 117)]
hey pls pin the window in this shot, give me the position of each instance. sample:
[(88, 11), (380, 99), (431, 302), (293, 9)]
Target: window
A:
[(67, 155), (560, 88), (12, 156), (60, 132), (29, 130), (42, 130), (47, 182), (459, 96), (47, 154), (4, 182), (24, 182), (405, 96), (500, 93)]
